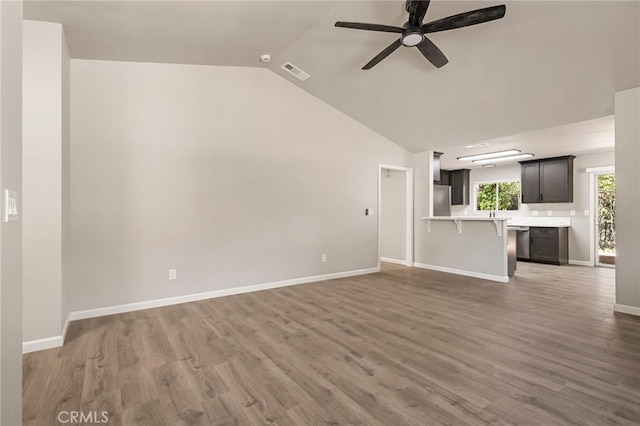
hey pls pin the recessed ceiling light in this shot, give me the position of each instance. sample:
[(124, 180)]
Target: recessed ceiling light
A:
[(509, 158), (488, 155), (476, 145), (265, 58)]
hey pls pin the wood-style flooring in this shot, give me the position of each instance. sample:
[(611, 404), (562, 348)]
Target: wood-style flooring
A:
[(405, 346)]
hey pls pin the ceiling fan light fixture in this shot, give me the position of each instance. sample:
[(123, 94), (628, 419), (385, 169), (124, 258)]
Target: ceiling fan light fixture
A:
[(412, 39)]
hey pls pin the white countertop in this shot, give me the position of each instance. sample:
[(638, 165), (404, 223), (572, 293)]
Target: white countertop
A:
[(547, 221), (465, 218), (499, 222)]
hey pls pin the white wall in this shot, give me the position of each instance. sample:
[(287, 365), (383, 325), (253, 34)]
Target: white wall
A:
[(11, 233), (579, 244), (627, 104), (65, 193), (233, 176), (393, 215), (421, 163), (42, 174)]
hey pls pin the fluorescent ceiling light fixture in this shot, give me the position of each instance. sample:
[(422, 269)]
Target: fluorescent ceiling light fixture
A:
[(477, 145), (509, 158), (488, 165), (488, 155)]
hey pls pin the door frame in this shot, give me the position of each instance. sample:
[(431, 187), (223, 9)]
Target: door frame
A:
[(408, 261), (594, 172)]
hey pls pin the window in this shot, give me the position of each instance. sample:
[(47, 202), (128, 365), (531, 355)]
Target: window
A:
[(503, 195)]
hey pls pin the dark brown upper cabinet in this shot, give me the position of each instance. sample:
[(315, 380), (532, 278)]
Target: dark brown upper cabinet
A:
[(436, 167), (459, 181), (548, 181), (444, 178)]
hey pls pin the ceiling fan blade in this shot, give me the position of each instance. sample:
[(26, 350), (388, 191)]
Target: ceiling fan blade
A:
[(369, 27), (465, 19), (380, 56), (432, 53), (417, 9)]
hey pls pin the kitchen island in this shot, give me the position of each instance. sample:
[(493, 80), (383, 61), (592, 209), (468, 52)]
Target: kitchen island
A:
[(466, 245)]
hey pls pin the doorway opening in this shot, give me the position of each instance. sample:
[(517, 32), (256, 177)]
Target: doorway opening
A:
[(606, 219), (395, 215), (603, 200)]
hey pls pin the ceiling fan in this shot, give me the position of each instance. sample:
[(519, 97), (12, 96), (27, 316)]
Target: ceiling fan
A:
[(412, 34)]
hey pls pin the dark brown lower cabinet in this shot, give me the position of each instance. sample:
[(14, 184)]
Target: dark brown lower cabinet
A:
[(549, 245)]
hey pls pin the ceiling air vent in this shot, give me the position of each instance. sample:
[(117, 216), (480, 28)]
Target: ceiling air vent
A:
[(295, 71)]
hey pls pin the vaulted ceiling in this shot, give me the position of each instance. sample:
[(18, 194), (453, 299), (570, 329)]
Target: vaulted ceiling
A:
[(545, 64)]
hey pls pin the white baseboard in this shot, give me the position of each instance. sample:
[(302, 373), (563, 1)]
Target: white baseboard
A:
[(580, 262), (626, 309), (391, 260), (66, 327), (129, 307), (47, 342), (56, 341), (489, 277), (41, 344)]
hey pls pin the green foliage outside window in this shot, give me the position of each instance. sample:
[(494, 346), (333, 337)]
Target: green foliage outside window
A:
[(607, 213), (498, 196), (486, 196)]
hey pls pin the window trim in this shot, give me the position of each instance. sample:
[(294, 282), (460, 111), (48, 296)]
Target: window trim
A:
[(498, 181)]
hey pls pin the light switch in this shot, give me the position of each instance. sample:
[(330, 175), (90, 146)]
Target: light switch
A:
[(586, 212), (10, 206), (549, 213), (534, 212)]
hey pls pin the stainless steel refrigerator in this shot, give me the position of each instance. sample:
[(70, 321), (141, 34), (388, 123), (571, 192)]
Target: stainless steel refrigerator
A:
[(441, 200)]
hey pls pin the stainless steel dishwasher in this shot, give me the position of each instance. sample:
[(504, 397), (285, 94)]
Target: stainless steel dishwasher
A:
[(523, 242), (511, 251)]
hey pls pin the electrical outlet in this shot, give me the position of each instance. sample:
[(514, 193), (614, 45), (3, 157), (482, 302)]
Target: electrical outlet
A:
[(172, 274), (586, 212), (572, 212), (549, 213), (324, 257), (534, 212)]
